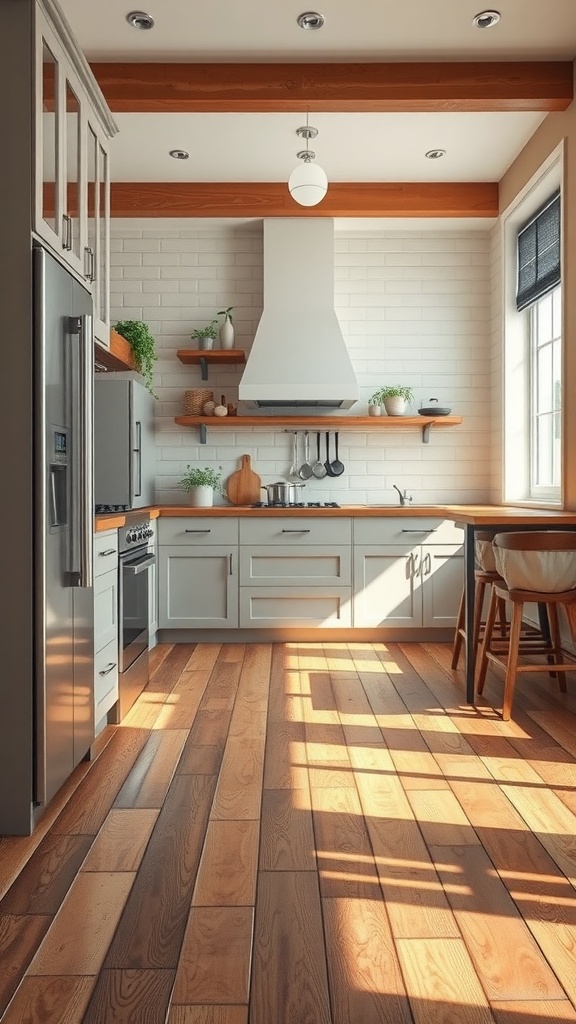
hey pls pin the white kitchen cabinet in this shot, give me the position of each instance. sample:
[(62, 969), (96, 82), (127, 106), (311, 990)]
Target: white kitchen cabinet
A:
[(408, 572), (197, 572), (105, 623), (153, 590), (410, 586), (198, 586), (295, 571), (71, 187)]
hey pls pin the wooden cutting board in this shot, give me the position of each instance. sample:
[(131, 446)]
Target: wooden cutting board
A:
[(244, 486)]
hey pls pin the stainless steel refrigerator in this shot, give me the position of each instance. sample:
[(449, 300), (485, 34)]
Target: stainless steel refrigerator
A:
[(124, 445), (64, 616)]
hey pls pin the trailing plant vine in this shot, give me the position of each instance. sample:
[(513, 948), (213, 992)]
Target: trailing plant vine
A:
[(143, 345)]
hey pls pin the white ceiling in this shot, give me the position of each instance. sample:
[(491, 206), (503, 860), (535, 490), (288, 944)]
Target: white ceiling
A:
[(350, 147)]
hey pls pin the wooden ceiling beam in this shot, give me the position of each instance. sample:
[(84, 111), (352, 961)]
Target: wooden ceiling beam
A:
[(272, 199), (346, 88)]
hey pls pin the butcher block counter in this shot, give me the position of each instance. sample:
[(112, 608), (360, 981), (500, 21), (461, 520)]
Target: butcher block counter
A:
[(473, 515)]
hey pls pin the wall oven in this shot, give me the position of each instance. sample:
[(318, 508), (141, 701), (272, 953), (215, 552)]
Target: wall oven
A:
[(136, 558)]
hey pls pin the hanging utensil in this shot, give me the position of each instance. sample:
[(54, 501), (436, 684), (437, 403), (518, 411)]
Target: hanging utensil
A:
[(337, 467), (305, 471), (293, 471), (328, 464), (318, 469)]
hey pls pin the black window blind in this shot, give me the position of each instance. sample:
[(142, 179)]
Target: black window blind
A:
[(539, 254)]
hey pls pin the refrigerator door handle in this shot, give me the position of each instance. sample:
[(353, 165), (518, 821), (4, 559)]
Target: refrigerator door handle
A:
[(136, 489), (82, 494)]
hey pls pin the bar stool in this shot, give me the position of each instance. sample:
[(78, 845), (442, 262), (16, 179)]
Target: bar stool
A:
[(537, 567), (484, 576)]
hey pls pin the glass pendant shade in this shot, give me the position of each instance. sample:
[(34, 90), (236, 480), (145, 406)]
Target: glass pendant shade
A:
[(308, 184)]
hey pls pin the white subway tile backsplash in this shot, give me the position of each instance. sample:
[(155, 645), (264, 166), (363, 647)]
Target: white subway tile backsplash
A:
[(414, 308)]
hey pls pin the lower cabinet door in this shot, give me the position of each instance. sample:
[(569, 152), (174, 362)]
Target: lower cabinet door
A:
[(153, 598), (198, 587), (386, 593), (105, 679), (442, 582), (105, 609), (325, 607)]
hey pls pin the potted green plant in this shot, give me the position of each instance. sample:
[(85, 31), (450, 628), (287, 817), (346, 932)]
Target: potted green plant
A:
[(226, 333), (205, 336), (143, 345), (394, 399), (200, 485)]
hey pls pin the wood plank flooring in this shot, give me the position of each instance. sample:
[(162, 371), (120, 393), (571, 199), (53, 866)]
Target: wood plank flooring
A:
[(305, 834)]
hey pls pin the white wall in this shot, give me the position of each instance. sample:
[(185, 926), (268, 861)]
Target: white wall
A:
[(414, 308)]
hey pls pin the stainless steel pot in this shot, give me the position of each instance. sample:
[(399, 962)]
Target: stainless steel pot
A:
[(282, 492)]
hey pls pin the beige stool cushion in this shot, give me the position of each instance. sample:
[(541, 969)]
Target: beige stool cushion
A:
[(545, 572), (485, 558)]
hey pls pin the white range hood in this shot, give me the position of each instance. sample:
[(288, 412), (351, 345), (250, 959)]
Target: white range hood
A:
[(299, 358)]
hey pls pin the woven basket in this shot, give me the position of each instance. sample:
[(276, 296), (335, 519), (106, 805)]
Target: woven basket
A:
[(194, 400)]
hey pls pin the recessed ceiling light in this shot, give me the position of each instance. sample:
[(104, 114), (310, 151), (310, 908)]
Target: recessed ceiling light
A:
[(139, 19), (310, 20), (486, 19), (435, 154), (179, 154)]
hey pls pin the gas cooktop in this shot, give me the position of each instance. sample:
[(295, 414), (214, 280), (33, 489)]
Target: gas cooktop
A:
[(296, 504)]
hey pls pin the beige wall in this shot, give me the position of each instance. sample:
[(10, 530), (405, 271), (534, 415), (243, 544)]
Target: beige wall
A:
[(552, 131)]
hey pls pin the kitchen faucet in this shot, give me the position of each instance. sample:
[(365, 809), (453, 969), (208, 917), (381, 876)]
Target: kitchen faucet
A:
[(405, 498)]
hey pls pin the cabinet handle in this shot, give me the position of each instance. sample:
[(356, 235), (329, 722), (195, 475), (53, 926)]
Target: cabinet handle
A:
[(427, 564), (89, 263), (231, 569), (197, 531), (106, 671), (431, 530), (109, 551), (416, 567), (66, 232), (296, 531)]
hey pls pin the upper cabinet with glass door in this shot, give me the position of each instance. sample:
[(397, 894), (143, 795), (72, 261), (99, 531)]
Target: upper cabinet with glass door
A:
[(72, 182)]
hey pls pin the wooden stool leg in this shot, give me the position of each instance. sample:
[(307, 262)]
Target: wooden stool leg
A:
[(480, 591), (502, 617), (557, 644), (483, 665), (458, 635), (510, 681)]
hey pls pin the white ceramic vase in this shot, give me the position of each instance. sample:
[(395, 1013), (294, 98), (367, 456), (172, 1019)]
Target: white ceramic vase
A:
[(201, 496), (395, 405), (226, 334)]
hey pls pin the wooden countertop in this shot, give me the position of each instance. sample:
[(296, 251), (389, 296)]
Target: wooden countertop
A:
[(475, 515)]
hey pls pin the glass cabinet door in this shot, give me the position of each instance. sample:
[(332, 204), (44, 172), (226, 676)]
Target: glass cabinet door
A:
[(91, 199), (101, 295), (48, 157), (71, 216)]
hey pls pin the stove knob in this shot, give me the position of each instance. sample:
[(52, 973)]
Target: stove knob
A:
[(129, 537)]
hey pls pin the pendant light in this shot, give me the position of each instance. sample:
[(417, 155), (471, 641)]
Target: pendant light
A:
[(308, 183)]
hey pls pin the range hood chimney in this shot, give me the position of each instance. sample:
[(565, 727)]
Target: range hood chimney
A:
[(299, 358)]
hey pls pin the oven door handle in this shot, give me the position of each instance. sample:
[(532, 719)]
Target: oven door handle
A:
[(133, 568)]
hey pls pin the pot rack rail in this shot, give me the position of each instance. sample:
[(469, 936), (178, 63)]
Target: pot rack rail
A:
[(425, 423)]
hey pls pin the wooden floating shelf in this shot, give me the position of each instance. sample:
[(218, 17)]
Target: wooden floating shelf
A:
[(118, 357), (201, 357), (318, 422)]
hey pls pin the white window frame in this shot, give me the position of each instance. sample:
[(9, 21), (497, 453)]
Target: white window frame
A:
[(517, 475), (542, 492)]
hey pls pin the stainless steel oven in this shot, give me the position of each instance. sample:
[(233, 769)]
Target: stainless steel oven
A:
[(136, 558)]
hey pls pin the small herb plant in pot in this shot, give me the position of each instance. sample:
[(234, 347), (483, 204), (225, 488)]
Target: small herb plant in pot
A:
[(205, 336), (394, 399), (226, 333), (143, 345), (200, 485)]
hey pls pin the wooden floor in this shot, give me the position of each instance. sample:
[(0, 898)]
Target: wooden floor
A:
[(304, 834)]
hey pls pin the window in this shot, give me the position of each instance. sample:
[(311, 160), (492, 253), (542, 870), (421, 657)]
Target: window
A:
[(546, 394)]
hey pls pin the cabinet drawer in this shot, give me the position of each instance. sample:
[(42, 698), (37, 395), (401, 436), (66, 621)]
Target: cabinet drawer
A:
[(105, 552), (105, 679), (105, 609), (285, 607), (197, 530), (405, 530), (308, 566), (295, 530)]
